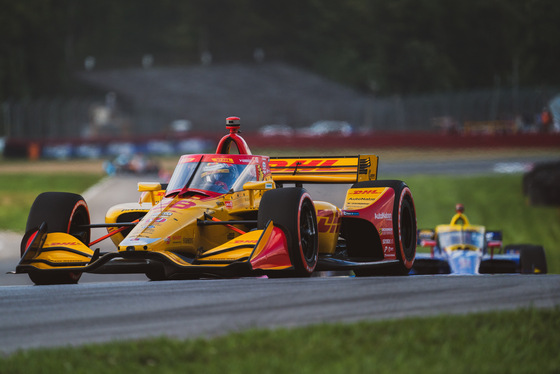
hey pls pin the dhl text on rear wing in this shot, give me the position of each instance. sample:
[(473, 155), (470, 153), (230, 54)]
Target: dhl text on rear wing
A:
[(336, 169)]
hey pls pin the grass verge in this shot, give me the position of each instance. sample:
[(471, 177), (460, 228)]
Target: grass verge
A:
[(520, 341), (19, 190)]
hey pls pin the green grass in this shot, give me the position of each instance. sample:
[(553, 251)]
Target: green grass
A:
[(521, 341), (18, 191), (495, 201)]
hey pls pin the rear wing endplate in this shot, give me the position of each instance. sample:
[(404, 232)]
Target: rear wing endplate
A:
[(336, 169)]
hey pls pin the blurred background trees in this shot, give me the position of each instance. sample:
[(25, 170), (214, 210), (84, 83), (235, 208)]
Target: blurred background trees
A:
[(385, 47)]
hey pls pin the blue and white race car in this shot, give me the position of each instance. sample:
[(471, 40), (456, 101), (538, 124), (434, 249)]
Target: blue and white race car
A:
[(462, 248)]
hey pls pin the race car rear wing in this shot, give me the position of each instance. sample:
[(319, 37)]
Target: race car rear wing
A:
[(336, 169)]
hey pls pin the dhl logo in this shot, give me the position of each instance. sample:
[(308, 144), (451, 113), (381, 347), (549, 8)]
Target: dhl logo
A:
[(309, 165), (328, 224), (222, 159), (369, 191), (61, 244), (245, 242)]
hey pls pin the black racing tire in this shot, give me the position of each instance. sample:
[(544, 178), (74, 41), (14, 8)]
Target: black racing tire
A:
[(156, 273), (63, 212), (532, 259), (293, 211), (65, 277), (404, 227)]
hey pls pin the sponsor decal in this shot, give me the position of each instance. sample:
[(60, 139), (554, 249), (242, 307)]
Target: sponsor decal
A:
[(350, 213), (383, 215), (222, 159), (388, 241), (386, 231), (245, 242), (363, 197), (308, 166), (61, 244), (173, 239), (328, 224), (229, 204), (137, 241), (389, 252), (369, 191)]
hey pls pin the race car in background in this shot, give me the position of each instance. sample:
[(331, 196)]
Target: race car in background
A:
[(127, 163), (231, 214), (462, 248)]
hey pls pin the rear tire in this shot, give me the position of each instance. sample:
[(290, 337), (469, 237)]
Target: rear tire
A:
[(532, 260), (63, 212), (404, 227), (292, 210)]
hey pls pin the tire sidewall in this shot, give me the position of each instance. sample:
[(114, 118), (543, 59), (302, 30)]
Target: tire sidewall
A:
[(311, 262), (60, 210), (404, 209), (285, 206)]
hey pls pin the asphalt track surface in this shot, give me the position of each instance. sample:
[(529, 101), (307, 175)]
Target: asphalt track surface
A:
[(98, 312), (114, 307)]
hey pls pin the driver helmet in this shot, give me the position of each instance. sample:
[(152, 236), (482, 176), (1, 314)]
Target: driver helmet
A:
[(221, 175)]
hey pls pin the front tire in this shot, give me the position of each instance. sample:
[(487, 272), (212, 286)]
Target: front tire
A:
[(292, 210), (63, 212)]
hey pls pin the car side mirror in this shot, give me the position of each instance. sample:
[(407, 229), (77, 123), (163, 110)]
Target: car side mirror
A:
[(148, 190), (257, 186)]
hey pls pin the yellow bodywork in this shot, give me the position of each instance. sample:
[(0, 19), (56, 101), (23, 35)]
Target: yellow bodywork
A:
[(360, 198), (60, 250), (336, 169), (172, 225), (459, 222)]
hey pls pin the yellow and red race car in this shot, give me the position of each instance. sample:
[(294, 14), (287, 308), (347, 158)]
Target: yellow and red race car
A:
[(231, 214)]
